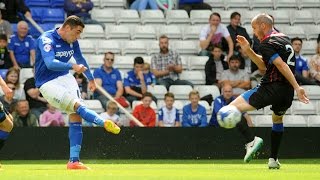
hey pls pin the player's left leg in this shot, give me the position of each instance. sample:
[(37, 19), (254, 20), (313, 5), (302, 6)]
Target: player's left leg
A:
[(276, 137)]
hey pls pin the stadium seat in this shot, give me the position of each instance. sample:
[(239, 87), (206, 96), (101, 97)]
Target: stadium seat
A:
[(247, 16), (312, 32), (281, 16), (217, 3), (25, 73), (153, 47), (312, 91), (53, 15), (108, 45), (38, 3), (191, 32), (147, 59), (3, 73), (313, 121), (185, 62), (301, 108), (225, 15), (134, 48), (144, 32), (293, 31), (35, 32), (185, 47), (157, 90), (208, 89), (127, 16), (206, 105), (177, 17), (200, 16), (197, 62), (294, 121), (57, 3), (96, 3), (113, 3), (94, 61), (180, 91), (153, 105), (236, 4), (103, 15), (93, 31), (37, 13), (177, 104), (268, 111), (256, 112), (262, 4), (285, 4), (248, 29), (195, 77), (308, 47), (123, 62), (152, 17), (117, 32), (308, 4), (94, 105), (263, 121), (172, 31), (303, 17), (87, 46)]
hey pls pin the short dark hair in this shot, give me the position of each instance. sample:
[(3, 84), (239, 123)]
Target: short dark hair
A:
[(138, 60), (146, 94), (3, 37), (234, 14), (234, 57), (109, 52), (215, 14), (296, 39), (169, 94), (163, 37), (216, 46), (73, 21)]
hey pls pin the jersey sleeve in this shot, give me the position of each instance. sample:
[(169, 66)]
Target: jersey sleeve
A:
[(269, 53), (177, 116), (126, 81), (32, 43), (11, 43), (160, 116), (119, 78)]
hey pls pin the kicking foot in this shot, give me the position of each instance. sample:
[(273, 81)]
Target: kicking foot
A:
[(252, 147), (110, 126), (76, 166), (274, 164)]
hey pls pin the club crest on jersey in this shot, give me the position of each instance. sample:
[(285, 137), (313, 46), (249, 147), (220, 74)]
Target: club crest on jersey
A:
[(46, 40), (113, 76), (47, 47)]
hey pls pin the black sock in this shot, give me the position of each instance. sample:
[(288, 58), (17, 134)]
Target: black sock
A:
[(275, 143), (1, 143), (244, 129)]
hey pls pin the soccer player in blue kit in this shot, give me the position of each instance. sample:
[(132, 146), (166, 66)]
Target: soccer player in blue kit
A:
[(278, 83), (54, 49)]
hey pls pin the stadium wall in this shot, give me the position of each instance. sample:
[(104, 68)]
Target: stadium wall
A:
[(155, 143)]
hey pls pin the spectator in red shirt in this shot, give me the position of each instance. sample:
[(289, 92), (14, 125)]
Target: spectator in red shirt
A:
[(144, 113)]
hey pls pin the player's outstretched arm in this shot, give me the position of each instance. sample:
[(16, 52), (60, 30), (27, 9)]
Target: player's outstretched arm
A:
[(245, 45), (286, 72), (4, 86)]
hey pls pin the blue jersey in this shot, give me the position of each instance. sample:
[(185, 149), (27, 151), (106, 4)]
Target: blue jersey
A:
[(109, 80), (301, 64), (21, 48), (131, 80), (194, 119), (150, 78), (52, 56)]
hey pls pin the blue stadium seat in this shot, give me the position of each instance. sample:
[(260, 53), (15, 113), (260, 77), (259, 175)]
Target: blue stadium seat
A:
[(37, 14), (53, 15), (57, 3), (14, 27), (37, 3), (35, 33), (3, 73)]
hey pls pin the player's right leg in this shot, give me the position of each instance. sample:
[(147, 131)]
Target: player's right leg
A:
[(253, 143)]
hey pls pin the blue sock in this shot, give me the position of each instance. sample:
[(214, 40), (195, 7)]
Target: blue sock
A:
[(278, 127), (75, 138), (90, 116)]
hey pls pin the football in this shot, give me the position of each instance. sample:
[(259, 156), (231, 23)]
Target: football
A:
[(229, 116)]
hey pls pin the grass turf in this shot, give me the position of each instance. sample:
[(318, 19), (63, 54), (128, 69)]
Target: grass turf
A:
[(161, 169)]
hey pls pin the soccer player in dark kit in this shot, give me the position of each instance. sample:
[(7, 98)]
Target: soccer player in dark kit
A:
[(278, 83)]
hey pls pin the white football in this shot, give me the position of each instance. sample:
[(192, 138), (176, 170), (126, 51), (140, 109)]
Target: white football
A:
[(229, 116)]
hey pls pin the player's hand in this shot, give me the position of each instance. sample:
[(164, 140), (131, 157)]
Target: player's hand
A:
[(92, 85), (7, 91), (302, 96), (79, 68), (243, 42)]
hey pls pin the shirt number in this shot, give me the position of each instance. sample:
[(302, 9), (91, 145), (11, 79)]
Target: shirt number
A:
[(289, 62)]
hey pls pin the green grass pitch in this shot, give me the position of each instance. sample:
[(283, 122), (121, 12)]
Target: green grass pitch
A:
[(304, 169)]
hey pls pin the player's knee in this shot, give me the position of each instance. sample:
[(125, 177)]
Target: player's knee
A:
[(277, 118), (75, 118), (6, 125)]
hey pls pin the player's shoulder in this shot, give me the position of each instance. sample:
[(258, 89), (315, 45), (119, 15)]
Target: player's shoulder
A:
[(47, 37)]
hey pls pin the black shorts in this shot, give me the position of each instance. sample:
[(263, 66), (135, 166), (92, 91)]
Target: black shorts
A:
[(277, 94)]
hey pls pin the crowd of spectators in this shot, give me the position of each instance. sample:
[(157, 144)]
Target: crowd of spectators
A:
[(228, 68)]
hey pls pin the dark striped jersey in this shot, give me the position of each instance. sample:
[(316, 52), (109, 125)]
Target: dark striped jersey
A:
[(272, 46)]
